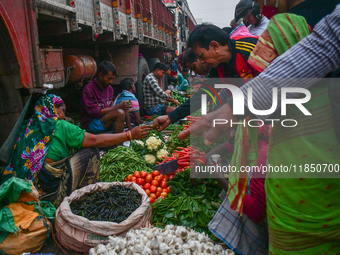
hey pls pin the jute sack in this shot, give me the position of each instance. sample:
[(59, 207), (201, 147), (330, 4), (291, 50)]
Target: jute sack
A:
[(80, 234)]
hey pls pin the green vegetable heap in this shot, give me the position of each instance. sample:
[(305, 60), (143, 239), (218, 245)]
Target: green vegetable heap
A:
[(179, 97), (120, 162), (187, 205)]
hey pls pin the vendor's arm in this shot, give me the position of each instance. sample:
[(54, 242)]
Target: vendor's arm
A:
[(69, 136)]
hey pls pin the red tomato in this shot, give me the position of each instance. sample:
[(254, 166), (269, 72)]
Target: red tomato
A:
[(156, 178), (140, 181), (148, 178), (153, 189), (159, 189), (148, 192), (161, 178), (141, 186), (152, 200), (129, 177), (147, 186), (166, 178), (155, 183), (134, 179), (164, 190), (163, 185), (155, 173), (164, 194), (136, 174), (143, 174), (158, 194), (167, 189), (153, 195)]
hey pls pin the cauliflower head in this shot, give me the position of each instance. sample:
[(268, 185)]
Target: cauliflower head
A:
[(139, 142), (161, 153), (153, 142), (149, 158)]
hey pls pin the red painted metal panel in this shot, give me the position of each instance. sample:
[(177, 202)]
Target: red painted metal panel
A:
[(133, 9), (52, 65), (17, 29), (191, 24), (107, 2), (122, 6)]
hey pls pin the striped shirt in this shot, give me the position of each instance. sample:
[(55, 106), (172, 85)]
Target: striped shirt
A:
[(312, 58)]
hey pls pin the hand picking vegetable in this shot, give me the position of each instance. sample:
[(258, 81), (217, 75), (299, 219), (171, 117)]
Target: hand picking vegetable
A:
[(171, 240)]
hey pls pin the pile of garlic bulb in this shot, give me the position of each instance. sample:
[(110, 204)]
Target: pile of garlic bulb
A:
[(155, 241)]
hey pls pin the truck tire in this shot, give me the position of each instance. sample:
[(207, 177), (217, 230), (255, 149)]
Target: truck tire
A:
[(143, 71), (152, 62)]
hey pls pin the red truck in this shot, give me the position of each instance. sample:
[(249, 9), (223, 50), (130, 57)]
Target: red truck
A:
[(58, 43)]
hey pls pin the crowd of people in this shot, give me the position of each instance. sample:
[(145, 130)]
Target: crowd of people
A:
[(267, 39), (261, 214)]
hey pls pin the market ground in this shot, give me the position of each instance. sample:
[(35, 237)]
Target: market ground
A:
[(52, 248)]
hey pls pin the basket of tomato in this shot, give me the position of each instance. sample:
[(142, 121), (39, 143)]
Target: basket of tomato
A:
[(154, 184)]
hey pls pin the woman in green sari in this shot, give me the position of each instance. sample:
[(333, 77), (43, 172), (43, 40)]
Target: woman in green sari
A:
[(302, 212), (44, 151)]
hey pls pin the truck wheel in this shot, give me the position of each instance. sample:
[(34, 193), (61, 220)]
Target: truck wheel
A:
[(143, 71), (152, 62)]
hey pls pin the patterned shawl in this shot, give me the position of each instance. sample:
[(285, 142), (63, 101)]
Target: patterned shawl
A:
[(31, 147), (283, 32)]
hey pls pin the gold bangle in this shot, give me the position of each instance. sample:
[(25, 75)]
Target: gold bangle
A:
[(130, 135)]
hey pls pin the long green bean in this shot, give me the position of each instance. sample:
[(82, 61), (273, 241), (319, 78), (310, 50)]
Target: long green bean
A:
[(119, 163)]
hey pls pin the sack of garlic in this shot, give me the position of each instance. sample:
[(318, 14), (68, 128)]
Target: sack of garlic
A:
[(153, 241), (82, 232)]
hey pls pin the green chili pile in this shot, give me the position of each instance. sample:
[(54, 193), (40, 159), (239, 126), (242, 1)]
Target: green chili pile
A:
[(114, 204), (187, 205), (120, 162)]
